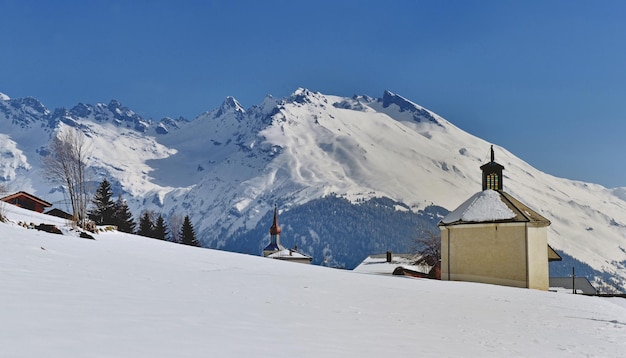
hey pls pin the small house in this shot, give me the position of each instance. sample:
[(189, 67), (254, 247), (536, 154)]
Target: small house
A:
[(27, 201), (59, 213), (390, 263)]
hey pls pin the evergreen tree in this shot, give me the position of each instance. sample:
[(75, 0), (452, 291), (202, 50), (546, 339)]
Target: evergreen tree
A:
[(146, 226), (160, 229), (123, 217), (104, 210), (187, 234)]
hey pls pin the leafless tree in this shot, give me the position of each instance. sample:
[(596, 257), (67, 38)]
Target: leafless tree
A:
[(428, 246), (176, 223), (67, 165), (2, 208)]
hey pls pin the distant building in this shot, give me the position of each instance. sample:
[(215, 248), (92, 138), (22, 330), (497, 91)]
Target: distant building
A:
[(27, 201), (277, 251), (397, 264), (569, 284), (291, 255), (59, 213), (495, 238)]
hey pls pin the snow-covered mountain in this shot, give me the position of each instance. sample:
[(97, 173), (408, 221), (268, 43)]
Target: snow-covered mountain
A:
[(228, 167)]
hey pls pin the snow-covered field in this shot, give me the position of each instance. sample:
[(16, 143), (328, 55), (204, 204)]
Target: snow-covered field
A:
[(127, 296)]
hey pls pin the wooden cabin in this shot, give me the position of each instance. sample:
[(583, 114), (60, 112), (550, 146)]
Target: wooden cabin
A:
[(27, 201)]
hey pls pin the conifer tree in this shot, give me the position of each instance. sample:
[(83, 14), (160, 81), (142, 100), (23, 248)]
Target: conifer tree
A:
[(123, 217), (187, 234), (104, 210), (160, 229), (146, 226)]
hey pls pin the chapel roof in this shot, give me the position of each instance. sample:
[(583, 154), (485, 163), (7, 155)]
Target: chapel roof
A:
[(491, 206)]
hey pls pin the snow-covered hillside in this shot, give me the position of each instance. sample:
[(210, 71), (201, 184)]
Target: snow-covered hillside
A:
[(129, 296), (228, 167)]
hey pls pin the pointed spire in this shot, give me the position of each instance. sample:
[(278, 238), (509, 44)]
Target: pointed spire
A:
[(275, 229), (492, 174), (274, 245)]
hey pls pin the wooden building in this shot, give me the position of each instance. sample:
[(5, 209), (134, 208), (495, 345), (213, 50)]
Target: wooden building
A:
[(27, 201), (495, 238), (59, 213)]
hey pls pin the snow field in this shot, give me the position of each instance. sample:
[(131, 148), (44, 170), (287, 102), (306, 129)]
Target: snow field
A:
[(128, 296)]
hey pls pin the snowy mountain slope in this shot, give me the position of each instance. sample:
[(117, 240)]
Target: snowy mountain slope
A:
[(116, 138), (228, 167), (26, 132), (360, 148), (128, 296)]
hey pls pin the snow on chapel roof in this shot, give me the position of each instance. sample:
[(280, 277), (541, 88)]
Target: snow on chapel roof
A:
[(494, 206), (482, 206)]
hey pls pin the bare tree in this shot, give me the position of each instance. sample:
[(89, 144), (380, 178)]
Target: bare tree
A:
[(176, 223), (3, 217), (67, 165), (428, 246)]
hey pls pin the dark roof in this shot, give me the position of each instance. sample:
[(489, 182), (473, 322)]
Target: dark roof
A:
[(59, 213), (553, 255), (273, 247), (30, 196), (522, 211), (492, 166), (580, 283)]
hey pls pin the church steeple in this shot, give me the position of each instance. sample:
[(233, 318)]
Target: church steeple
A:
[(275, 229), (492, 174), (274, 244)]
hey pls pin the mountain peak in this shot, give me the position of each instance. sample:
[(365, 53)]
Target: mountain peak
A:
[(230, 104), (303, 95), (33, 103), (115, 106), (4, 97), (420, 114), (390, 98)]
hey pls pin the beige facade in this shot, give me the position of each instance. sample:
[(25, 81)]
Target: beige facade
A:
[(507, 253), (494, 238)]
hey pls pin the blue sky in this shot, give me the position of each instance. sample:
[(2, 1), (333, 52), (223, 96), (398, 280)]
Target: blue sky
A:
[(544, 79)]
